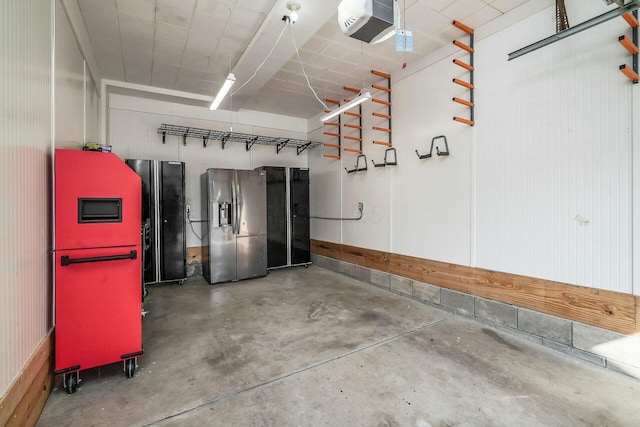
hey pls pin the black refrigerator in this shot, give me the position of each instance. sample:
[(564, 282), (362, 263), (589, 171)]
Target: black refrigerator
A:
[(163, 220), (287, 216)]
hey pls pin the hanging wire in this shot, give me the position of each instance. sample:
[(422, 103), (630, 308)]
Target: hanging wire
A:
[(303, 71), (263, 62)]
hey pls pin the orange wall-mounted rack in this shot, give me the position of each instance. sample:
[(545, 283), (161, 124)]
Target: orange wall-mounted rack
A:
[(333, 145), (471, 69), (632, 47), (386, 102), (351, 137)]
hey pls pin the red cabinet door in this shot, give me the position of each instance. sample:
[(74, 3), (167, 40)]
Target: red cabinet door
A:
[(98, 301), (85, 176)]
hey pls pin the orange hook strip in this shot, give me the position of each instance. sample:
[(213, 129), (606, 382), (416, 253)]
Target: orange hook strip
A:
[(631, 75), (388, 144), (463, 46), (464, 102), (628, 44), (332, 156), (352, 138), (350, 113), (331, 124), (332, 101), (352, 126), (384, 88), (465, 121), (464, 65), (380, 101), (384, 116), (381, 74), (381, 129), (631, 20), (332, 134), (353, 150), (332, 145), (463, 27), (351, 89), (463, 83)]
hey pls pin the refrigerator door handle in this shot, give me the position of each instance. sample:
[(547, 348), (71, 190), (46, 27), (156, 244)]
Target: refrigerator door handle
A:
[(65, 260), (234, 209)]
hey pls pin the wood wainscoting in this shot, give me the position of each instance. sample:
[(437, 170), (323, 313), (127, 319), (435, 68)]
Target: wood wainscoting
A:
[(22, 403), (606, 309)]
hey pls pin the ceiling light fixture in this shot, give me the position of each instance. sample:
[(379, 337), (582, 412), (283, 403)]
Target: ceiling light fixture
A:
[(226, 86), (294, 7), (362, 97)]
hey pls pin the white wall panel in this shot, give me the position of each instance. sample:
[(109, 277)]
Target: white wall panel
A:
[(70, 85), (325, 192), (25, 144), (92, 109), (432, 197), (133, 125), (553, 148)]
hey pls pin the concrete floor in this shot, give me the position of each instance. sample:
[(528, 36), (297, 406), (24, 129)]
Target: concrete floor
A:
[(307, 347)]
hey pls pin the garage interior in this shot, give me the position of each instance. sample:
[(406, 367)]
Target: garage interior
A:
[(473, 224)]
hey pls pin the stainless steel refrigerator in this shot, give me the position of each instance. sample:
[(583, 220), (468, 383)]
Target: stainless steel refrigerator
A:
[(236, 213)]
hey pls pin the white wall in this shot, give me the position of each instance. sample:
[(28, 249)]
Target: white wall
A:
[(25, 144), (553, 141), (77, 98), (132, 129)]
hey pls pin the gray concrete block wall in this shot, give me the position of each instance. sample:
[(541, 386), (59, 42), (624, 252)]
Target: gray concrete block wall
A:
[(426, 292), (586, 337), (461, 304), (380, 279), (401, 284), (497, 312), (572, 338), (544, 325)]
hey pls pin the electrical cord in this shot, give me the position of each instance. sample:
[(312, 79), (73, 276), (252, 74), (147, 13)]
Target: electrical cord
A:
[(303, 71), (263, 62), (360, 208)]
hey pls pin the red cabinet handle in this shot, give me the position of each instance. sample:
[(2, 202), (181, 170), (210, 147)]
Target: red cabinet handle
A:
[(65, 260)]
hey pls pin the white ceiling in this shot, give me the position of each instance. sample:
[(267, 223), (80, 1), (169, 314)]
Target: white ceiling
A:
[(191, 45)]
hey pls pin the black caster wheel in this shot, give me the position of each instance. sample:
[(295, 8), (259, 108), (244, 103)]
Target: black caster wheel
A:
[(181, 282), (129, 367), (71, 382)]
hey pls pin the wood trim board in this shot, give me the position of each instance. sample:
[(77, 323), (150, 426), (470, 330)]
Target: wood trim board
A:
[(22, 403), (606, 309)]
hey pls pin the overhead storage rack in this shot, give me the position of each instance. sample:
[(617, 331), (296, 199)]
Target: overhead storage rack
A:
[(224, 137)]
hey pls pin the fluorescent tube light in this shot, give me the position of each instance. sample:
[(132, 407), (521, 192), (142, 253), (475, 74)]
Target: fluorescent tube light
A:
[(226, 86), (362, 97)]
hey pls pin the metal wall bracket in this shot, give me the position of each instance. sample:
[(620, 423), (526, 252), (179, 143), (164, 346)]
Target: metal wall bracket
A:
[(281, 145), (301, 148), (357, 167), (386, 161), (438, 152)]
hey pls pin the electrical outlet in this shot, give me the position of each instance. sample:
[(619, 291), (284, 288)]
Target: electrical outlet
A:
[(361, 206), (188, 209)]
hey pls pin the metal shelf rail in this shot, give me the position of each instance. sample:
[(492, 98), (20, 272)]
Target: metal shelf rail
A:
[(224, 137)]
